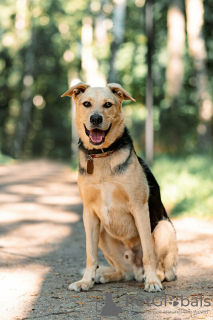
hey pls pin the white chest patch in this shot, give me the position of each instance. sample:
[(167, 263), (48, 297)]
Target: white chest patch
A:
[(106, 194)]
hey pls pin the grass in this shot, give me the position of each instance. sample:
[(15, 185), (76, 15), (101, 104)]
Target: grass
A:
[(5, 159), (186, 185)]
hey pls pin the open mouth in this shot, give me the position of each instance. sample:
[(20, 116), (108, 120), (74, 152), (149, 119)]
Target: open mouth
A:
[(97, 136)]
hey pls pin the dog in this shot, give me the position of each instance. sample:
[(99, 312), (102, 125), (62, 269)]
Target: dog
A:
[(123, 214)]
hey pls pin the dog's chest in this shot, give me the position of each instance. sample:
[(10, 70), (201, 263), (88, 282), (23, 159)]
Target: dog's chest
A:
[(110, 202)]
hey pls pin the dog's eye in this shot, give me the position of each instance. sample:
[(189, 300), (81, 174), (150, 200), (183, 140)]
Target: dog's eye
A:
[(87, 104), (107, 105)]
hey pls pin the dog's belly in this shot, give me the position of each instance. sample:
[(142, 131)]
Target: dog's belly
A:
[(110, 202), (119, 224)]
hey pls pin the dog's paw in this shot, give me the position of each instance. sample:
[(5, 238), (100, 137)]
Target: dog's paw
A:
[(103, 279), (153, 285), (100, 278), (160, 274), (97, 278), (81, 285), (139, 276)]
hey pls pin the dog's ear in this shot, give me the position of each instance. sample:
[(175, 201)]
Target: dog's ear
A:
[(119, 92), (76, 90)]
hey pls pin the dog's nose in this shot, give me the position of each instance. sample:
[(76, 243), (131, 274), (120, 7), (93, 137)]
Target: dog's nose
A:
[(96, 119)]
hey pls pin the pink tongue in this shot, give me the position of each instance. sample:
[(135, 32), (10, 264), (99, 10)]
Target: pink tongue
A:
[(96, 135)]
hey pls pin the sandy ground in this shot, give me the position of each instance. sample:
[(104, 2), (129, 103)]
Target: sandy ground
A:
[(42, 250)]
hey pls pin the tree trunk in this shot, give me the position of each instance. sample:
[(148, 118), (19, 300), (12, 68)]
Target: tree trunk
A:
[(197, 50), (100, 27), (119, 15), (149, 137), (24, 119), (72, 81), (175, 44), (89, 62), (100, 33)]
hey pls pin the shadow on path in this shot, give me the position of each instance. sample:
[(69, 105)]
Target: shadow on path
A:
[(42, 250)]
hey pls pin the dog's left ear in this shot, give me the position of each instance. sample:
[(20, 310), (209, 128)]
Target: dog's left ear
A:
[(76, 90), (119, 92)]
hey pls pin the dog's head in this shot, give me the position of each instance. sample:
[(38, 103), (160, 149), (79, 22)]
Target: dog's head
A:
[(99, 115)]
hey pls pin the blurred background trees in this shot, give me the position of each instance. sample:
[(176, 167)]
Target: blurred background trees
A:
[(45, 45)]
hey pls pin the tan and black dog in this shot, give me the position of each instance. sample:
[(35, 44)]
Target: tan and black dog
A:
[(123, 213)]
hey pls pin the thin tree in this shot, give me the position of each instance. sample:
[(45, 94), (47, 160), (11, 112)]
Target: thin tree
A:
[(175, 45), (100, 40), (88, 61), (73, 80), (149, 137), (27, 104), (119, 15), (197, 50)]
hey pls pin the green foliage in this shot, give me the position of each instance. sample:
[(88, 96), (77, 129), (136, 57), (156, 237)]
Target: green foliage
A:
[(33, 65), (186, 184), (5, 159), (40, 51)]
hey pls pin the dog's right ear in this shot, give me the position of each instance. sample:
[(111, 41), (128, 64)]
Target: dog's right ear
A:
[(76, 91), (119, 92)]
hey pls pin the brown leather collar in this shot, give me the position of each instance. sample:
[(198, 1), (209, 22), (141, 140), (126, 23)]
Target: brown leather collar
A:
[(95, 151), (102, 155)]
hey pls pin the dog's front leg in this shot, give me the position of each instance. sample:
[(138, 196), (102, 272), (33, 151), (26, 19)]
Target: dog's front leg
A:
[(92, 228), (141, 216)]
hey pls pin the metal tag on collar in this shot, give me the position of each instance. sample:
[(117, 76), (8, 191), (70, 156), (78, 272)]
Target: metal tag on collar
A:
[(90, 164)]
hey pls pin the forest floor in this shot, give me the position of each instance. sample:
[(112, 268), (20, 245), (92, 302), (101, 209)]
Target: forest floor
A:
[(42, 251)]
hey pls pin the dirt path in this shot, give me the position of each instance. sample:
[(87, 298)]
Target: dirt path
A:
[(42, 250)]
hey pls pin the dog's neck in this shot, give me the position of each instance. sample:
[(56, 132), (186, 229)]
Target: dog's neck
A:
[(119, 143), (122, 142)]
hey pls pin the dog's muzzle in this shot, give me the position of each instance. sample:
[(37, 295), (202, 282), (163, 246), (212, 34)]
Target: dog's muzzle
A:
[(97, 136)]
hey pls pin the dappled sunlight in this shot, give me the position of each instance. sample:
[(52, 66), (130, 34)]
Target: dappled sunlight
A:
[(25, 172), (43, 187), (24, 211), (15, 285), (204, 260), (161, 52), (8, 198), (42, 236), (190, 226), (38, 209), (63, 200), (191, 235), (33, 239), (25, 189)]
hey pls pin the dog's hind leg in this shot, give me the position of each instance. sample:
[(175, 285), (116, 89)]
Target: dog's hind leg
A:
[(103, 270), (166, 250), (134, 258), (114, 253)]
